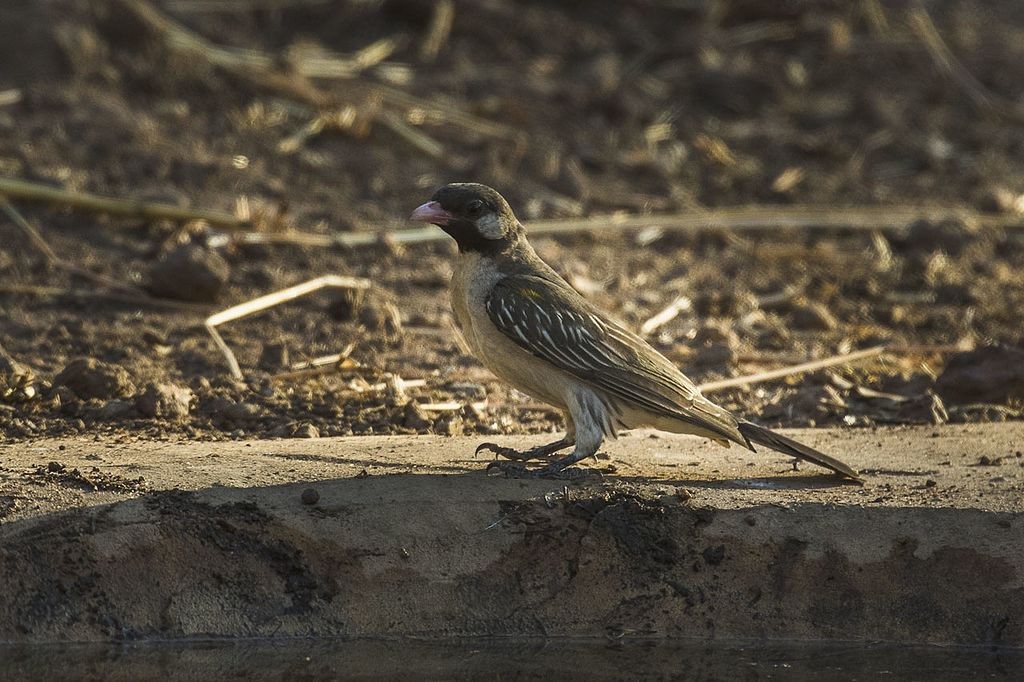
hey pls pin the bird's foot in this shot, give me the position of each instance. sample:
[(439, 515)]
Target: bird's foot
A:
[(539, 452), (501, 451), (517, 469)]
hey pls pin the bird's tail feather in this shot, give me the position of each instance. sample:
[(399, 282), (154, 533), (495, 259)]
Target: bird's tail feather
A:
[(780, 443)]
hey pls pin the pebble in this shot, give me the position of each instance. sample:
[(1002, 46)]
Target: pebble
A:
[(989, 374), (189, 273), (812, 316), (274, 356), (92, 378), (169, 401), (306, 431), (310, 496)]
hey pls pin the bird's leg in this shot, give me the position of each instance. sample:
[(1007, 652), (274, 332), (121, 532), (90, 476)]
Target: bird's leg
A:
[(539, 452), (556, 468)]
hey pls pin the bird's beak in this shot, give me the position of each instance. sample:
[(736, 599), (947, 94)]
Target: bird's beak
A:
[(431, 212)]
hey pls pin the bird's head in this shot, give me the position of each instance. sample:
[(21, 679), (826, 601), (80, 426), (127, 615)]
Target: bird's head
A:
[(477, 217)]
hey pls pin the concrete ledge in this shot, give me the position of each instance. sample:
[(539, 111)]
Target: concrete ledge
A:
[(409, 538)]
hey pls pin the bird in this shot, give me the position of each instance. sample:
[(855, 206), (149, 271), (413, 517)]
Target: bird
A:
[(527, 325)]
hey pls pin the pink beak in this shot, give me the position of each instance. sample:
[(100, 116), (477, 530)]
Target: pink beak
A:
[(431, 212)]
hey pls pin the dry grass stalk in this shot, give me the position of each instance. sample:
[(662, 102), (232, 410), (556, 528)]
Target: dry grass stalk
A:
[(666, 315), (924, 28), (22, 189), (801, 368), (317, 62), (410, 134), (8, 97), (217, 6), (439, 30), (269, 301), (451, 406), (259, 68), (742, 218), (120, 297)]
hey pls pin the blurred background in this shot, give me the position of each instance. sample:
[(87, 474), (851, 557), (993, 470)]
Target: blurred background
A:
[(848, 174)]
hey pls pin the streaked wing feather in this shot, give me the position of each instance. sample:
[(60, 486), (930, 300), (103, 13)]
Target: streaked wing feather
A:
[(553, 322)]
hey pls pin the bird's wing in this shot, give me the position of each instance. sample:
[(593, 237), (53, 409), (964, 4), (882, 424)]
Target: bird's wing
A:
[(553, 322)]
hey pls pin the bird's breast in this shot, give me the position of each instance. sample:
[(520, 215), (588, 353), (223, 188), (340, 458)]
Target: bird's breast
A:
[(473, 279)]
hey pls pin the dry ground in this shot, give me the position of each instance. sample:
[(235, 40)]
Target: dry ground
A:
[(643, 107)]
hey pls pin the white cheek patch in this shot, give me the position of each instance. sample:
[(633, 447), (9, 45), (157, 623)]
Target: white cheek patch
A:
[(490, 226)]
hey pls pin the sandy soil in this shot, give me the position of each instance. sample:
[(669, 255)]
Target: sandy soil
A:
[(400, 536)]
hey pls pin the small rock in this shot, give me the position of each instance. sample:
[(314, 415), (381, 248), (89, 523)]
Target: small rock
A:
[(714, 555), (310, 496), (189, 273), (990, 374), (165, 401), (92, 378), (274, 356), (951, 236), (812, 316), (230, 410), (115, 409), (415, 418), (55, 467), (715, 355), (306, 430), (346, 304)]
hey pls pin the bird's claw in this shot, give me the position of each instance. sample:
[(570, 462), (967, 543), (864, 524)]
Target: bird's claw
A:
[(517, 469), (508, 453)]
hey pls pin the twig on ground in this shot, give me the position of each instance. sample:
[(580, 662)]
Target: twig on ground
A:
[(923, 26), (912, 349), (211, 6), (8, 97), (22, 189), (404, 383), (451, 406), (326, 364), (801, 368), (410, 134), (666, 315), (55, 261), (743, 218), (316, 62), (269, 301), (134, 299), (439, 30)]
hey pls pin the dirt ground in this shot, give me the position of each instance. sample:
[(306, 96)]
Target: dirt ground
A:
[(398, 536), (638, 107)]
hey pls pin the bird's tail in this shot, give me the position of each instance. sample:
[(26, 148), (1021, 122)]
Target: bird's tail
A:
[(778, 442)]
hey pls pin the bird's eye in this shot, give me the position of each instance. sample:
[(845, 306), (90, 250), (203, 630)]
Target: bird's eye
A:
[(475, 208)]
